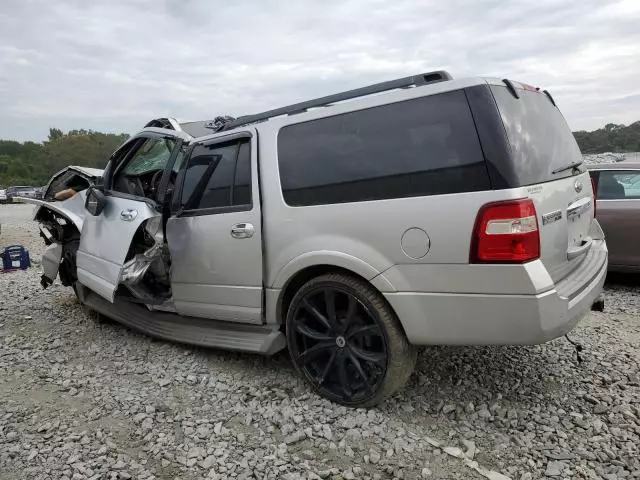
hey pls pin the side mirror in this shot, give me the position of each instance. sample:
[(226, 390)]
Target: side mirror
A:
[(95, 202)]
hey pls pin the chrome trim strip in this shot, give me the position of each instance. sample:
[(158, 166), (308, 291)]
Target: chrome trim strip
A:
[(579, 207)]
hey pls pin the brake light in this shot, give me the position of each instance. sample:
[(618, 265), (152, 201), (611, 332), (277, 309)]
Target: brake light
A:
[(506, 232), (595, 189)]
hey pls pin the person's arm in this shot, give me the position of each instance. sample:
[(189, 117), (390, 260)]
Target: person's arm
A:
[(65, 194)]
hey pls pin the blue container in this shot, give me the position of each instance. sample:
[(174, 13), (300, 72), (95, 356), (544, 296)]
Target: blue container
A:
[(14, 257)]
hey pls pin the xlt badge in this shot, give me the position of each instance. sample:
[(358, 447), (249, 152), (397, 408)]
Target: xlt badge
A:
[(551, 217)]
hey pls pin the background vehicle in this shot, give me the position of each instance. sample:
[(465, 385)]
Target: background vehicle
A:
[(3, 196), (618, 191), (350, 228), (20, 191)]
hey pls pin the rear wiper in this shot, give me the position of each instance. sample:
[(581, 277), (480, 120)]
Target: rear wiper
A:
[(567, 167)]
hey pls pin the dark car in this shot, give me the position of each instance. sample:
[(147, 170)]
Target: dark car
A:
[(618, 211)]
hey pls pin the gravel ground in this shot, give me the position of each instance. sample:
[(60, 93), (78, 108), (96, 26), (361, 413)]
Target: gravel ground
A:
[(81, 398)]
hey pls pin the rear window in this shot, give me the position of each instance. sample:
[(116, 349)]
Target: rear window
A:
[(419, 147), (540, 139)]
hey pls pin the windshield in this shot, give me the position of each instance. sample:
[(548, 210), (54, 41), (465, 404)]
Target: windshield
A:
[(151, 156), (540, 139)]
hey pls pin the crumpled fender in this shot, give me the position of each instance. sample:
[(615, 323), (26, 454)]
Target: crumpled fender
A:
[(72, 209)]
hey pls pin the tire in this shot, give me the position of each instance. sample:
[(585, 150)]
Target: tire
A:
[(347, 342)]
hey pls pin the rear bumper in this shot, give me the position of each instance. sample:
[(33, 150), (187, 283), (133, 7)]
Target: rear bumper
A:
[(491, 319)]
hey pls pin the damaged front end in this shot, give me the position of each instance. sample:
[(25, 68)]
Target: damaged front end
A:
[(62, 237), (145, 274)]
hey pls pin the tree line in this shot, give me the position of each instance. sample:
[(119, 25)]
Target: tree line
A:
[(611, 138), (33, 163)]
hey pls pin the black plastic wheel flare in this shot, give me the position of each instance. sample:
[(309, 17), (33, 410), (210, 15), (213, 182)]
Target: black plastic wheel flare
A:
[(339, 345)]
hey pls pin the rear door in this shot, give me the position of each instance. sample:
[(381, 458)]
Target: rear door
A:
[(619, 214), (215, 232), (130, 183), (545, 160)]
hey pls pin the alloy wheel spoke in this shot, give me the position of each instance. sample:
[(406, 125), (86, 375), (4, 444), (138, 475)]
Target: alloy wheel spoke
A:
[(317, 314), (364, 330), (314, 351), (358, 366), (370, 357), (312, 334), (343, 378), (327, 367)]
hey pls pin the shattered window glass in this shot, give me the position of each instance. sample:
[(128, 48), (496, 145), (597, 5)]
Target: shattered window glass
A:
[(152, 155)]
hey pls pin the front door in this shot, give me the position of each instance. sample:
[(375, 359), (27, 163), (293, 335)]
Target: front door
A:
[(619, 214), (215, 232), (131, 183)]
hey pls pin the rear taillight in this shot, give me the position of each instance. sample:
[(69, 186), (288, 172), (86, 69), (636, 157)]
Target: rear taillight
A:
[(506, 232), (594, 187)]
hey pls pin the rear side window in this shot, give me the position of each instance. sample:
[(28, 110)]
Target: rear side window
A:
[(424, 146), (540, 139), (618, 185)]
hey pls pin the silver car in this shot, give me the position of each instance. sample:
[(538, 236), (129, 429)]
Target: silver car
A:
[(350, 229)]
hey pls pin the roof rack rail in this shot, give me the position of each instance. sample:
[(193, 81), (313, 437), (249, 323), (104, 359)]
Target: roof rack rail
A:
[(406, 82)]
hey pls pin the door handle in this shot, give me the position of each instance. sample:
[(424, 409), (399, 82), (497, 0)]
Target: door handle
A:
[(242, 230), (128, 214)]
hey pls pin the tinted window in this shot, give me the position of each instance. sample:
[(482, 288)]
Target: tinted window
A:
[(618, 185), (214, 165), (242, 186), (540, 139), (210, 174), (425, 146)]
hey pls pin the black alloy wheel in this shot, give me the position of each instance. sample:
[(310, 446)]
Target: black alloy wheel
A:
[(342, 336)]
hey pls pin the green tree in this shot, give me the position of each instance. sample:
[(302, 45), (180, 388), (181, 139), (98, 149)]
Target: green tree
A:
[(31, 163), (611, 138)]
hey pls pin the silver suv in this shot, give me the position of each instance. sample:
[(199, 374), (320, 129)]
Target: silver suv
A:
[(350, 229)]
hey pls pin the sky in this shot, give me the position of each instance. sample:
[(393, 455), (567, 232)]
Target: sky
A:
[(112, 66)]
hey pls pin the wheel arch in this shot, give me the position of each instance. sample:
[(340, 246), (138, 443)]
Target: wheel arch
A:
[(302, 276)]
